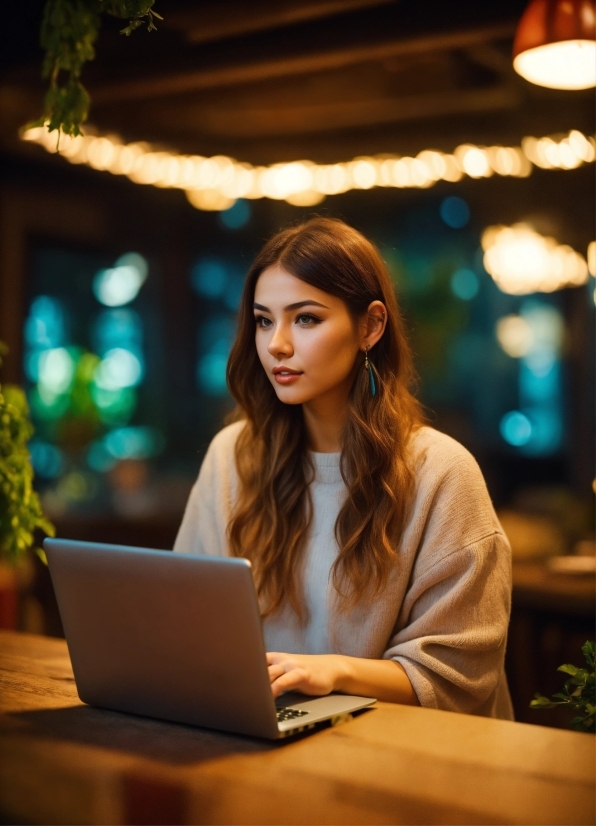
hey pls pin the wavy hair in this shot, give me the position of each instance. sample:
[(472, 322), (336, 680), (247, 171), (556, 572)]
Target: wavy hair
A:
[(270, 521)]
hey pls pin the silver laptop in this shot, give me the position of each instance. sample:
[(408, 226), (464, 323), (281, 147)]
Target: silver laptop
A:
[(177, 637)]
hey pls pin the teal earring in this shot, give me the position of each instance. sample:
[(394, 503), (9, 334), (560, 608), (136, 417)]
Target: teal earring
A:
[(368, 366)]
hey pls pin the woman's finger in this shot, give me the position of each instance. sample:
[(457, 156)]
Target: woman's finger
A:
[(297, 678), (275, 671)]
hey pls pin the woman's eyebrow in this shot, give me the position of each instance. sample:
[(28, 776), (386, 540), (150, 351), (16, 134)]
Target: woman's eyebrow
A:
[(295, 306)]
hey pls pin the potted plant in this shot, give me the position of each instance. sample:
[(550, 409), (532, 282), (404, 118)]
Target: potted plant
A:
[(578, 692), (20, 509)]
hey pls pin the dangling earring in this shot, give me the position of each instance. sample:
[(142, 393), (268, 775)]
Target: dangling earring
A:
[(368, 366)]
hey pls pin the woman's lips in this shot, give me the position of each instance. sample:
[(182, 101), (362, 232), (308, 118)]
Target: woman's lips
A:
[(283, 376)]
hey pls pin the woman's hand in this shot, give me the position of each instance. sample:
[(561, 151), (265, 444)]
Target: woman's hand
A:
[(316, 674), (319, 674)]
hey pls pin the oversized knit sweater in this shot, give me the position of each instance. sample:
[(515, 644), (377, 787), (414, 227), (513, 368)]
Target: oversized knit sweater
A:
[(443, 614)]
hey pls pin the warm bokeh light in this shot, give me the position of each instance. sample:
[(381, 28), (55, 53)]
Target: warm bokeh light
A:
[(283, 180), (305, 198), (364, 173), (592, 258), (567, 153), (514, 334), (210, 200), (521, 261), (214, 184), (568, 64), (473, 161)]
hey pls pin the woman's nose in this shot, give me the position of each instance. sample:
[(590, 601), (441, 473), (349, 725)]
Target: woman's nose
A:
[(280, 342)]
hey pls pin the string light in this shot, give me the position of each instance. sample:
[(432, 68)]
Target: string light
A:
[(522, 261), (216, 183)]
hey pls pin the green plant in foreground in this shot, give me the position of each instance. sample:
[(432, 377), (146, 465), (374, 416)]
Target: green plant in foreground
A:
[(20, 509), (579, 692), (68, 33)]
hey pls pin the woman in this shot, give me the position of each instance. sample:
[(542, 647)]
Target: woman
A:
[(380, 565)]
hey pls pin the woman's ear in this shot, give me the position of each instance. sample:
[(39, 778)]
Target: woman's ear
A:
[(373, 324)]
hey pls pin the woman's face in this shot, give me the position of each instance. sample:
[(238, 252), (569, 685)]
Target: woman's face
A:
[(306, 339)]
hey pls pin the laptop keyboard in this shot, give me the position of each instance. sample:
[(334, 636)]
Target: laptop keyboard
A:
[(284, 714)]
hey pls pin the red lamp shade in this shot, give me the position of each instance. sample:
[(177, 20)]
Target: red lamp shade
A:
[(555, 44)]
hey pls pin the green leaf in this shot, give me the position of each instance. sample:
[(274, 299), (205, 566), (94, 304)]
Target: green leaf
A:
[(541, 702), (134, 24), (569, 669), (589, 650), (586, 724), (42, 555)]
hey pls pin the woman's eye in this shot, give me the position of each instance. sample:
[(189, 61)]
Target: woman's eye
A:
[(263, 322), (305, 319)]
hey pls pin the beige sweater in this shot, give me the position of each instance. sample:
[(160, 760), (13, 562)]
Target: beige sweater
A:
[(445, 611)]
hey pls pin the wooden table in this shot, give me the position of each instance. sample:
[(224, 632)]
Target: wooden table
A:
[(64, 762)]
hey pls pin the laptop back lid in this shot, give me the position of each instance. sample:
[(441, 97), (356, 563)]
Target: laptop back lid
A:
[(164, 635)]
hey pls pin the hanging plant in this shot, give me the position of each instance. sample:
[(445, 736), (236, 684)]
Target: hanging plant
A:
[(69, 31)]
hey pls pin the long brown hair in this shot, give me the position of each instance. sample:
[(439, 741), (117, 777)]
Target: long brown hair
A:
[(272, 515)]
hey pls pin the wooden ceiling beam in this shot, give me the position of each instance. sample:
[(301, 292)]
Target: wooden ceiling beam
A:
[(301, 64), (251, 123), (229, 18)]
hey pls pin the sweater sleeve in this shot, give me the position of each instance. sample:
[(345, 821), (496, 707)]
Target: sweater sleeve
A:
[(204, 526), (451, 632)]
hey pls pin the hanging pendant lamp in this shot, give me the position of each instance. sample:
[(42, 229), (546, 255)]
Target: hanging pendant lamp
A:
[(555, 44)]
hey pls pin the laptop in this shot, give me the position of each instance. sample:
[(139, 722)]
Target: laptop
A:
[(177, 637)]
